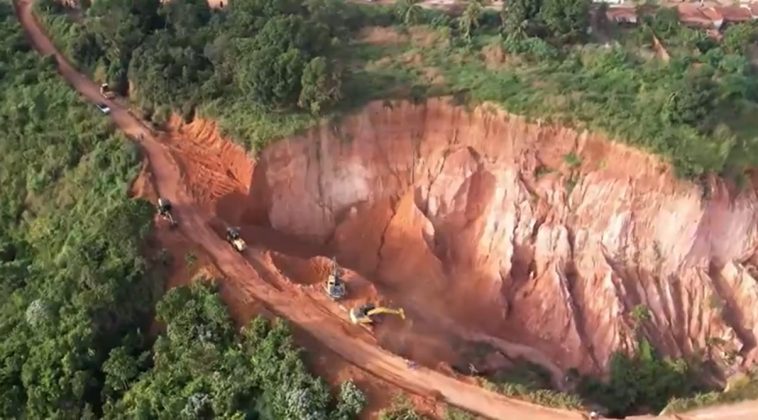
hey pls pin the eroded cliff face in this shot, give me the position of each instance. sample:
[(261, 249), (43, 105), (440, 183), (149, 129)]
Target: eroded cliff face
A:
[(489, 219)]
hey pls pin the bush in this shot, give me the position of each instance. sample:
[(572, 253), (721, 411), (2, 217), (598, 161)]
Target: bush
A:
[(401, 409), (742, 388), (640, 383)]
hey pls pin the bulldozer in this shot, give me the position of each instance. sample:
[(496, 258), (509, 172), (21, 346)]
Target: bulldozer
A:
[(106, 91), (334, 285), (234, 238), (164, 210), (364, 314)]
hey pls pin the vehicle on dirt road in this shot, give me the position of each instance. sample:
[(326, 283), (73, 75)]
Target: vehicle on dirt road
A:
[(105, 109), (106, 91), (366, 313), (233, 237), (165, 211)]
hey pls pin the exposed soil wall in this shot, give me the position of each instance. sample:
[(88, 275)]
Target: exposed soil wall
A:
[(485, 221)]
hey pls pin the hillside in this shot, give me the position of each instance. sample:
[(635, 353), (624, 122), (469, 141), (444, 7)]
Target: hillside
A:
[(566, 215)]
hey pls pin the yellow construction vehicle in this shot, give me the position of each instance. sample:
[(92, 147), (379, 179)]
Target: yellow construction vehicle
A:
[(234, 238), (365, 313), (106, 91), (335, 286)]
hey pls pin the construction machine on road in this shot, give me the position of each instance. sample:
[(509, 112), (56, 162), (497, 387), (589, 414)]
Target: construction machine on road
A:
[(164, 210), (366, 313), (234, 238), (334, 285), (106, 91)]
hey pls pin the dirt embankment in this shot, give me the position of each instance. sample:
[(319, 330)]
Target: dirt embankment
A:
[(528, 232)]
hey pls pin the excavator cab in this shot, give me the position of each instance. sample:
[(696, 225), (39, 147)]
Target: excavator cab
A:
[(234, 238), (335, 286), (366, 313), (164, 210)]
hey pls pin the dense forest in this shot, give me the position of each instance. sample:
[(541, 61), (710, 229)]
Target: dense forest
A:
[(78, 294)]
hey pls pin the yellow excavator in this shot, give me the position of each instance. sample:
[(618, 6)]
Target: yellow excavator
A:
[(364, 314)]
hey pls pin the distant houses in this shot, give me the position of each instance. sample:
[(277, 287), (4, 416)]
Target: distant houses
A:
[(691, 14)]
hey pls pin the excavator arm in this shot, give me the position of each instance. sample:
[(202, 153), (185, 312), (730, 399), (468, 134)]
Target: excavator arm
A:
[(382, 310)]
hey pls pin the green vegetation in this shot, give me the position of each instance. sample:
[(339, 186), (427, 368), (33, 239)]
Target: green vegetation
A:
[(401, 409), (77, 292), (742, 388), (694, 110), (640, 313), (640, 384), (201, 368), (270, 58), (265, 68), (531, 383), (452, 413), (74, 284)]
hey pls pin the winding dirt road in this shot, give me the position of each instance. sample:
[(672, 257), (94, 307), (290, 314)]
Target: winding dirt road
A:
[(351, 343)]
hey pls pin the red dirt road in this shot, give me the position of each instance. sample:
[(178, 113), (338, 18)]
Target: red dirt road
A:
[(351, 343)]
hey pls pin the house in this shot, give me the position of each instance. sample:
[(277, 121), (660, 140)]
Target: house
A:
[(752, 8), (735, 14), (700, 16)]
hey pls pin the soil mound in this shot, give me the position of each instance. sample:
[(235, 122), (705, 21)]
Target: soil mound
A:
[(539, 239)]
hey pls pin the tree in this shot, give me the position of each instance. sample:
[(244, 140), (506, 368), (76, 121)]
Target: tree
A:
[(469, 20), (693, 99), (738, 37), (408, 11), (567, 20), (321, 86), (518, 16), (401, 409), (271, 77), (120, 370), (351, 401)]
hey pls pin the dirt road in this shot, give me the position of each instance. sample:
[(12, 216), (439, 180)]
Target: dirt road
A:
[(353, 344)]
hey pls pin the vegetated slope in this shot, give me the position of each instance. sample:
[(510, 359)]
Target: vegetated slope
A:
[(73, 281), (77, 292)]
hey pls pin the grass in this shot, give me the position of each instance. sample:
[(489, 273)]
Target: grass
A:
[(742, 388), (531, 383)]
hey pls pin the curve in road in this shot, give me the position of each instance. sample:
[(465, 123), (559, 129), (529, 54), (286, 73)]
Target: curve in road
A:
[(352, 344)]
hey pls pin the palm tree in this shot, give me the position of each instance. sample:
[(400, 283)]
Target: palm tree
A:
[(470, 18), (409, 11)]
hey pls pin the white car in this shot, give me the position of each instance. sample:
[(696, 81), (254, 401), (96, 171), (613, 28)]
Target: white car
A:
[(103, 108)]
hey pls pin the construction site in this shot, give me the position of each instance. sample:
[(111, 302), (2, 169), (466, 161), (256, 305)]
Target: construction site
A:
[(422, 246)]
